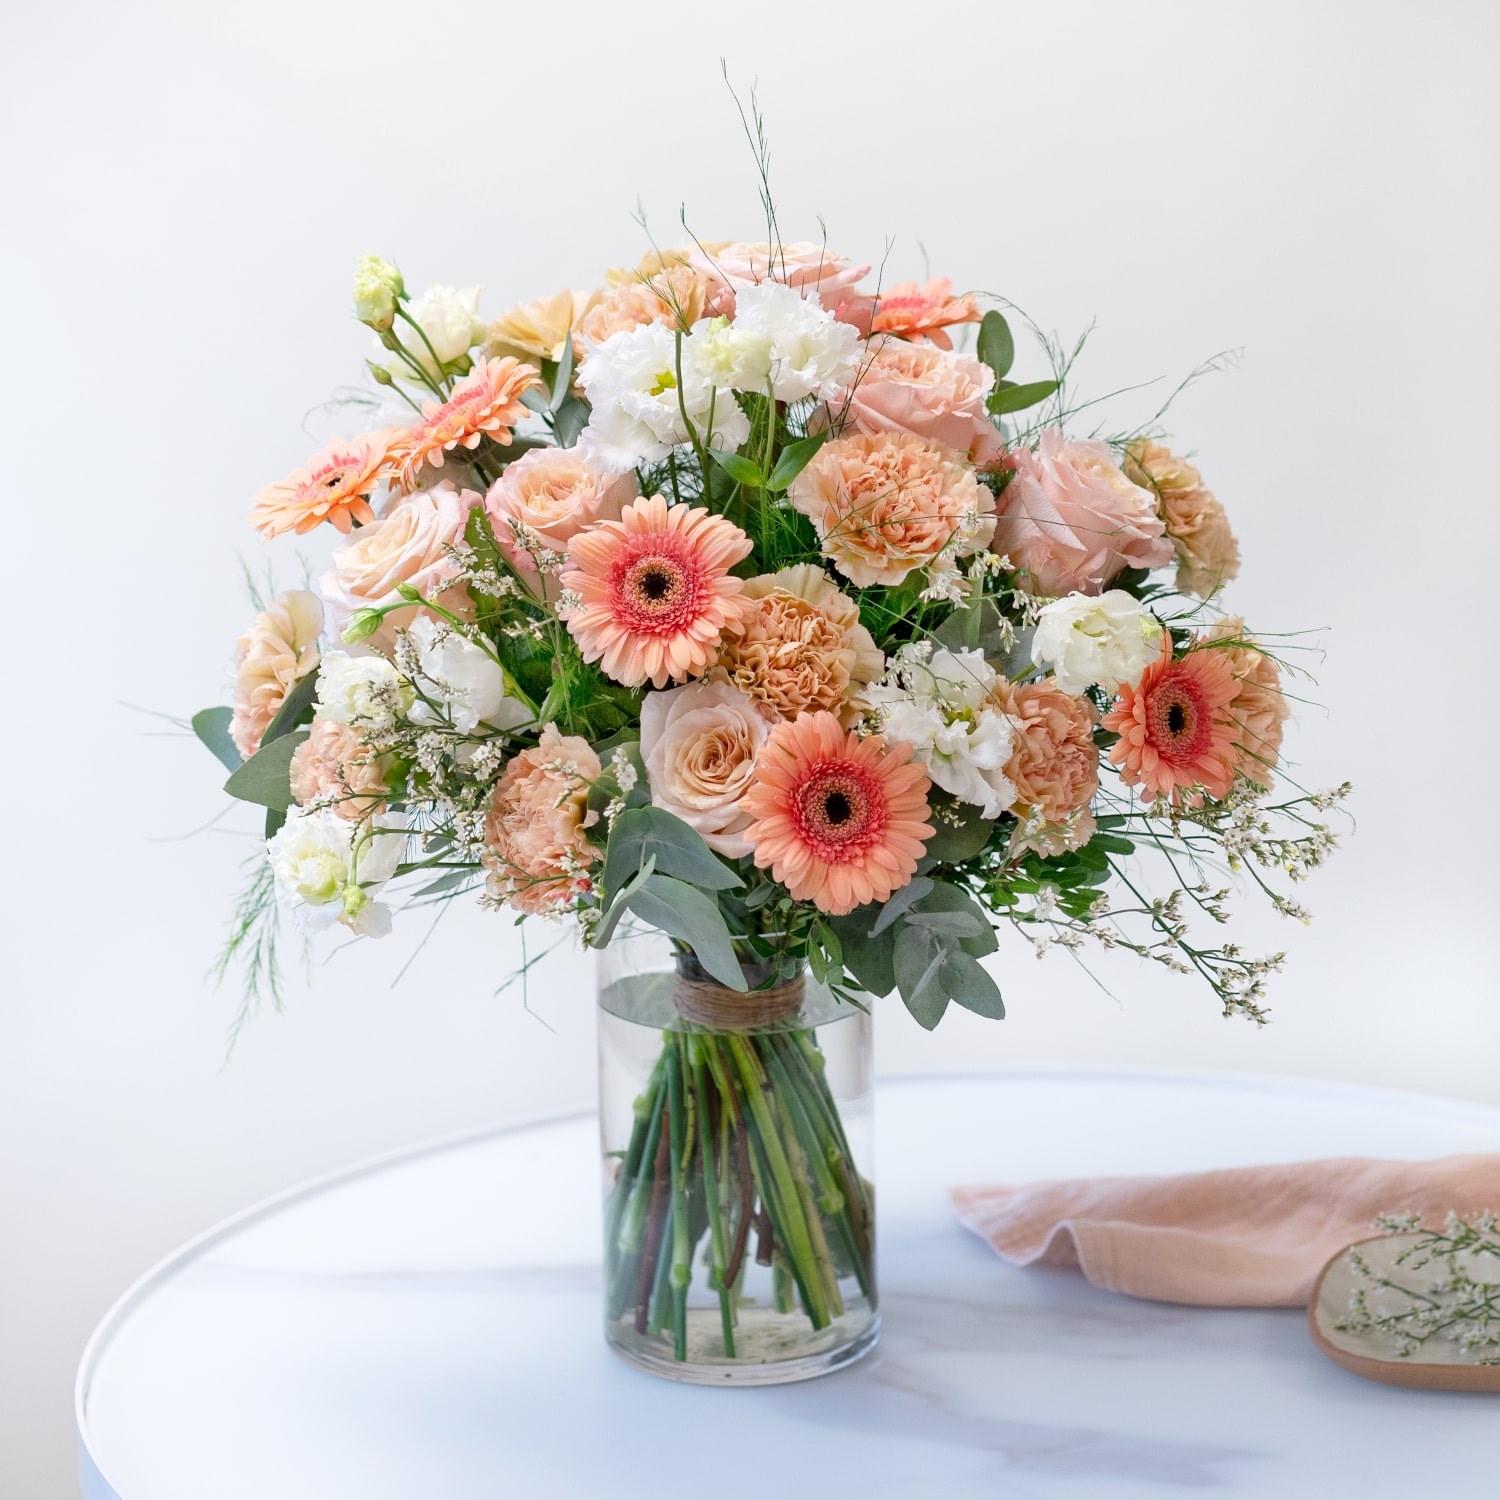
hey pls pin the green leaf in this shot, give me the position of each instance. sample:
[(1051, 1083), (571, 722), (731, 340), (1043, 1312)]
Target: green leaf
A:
[(296, 709), (996, 347), (211, 725), (275, 821), (266, 777), (794, 458), (640, 832), (1018, 397), (611, 919), (970, 985), (868, 959), (919, 963), (945, 924), (1111, 843), (899, 903), (449, 880), (945, 897), (739, 468), (606, 786), (692, 918), (954, 841), (534, 400), (562, 379), (569, 420)]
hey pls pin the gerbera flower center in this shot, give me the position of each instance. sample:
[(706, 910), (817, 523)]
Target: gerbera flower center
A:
[(656, 592), (840, 809), (1180, 724)]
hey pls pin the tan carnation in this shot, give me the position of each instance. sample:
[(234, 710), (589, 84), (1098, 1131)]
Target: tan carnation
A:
[(1054, 765), (801, 647), (537, 849), (1208, 555), (673, 294), (1259, 710), (334, 766), (537, 330), (280, 648)]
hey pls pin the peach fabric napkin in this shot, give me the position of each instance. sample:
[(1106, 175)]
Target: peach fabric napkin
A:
[(1244, 1237)]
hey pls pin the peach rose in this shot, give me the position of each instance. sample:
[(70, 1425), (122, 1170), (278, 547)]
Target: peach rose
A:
[(553, 494), (335, 765), (274, 654), (1054, 765), (801, 646), (537, 849), (810, 269), (1208, 555), (887, 503), (926, 391), (537, 330), (1071, 519), (674, 294), (699, 744), (1259, 710), (406, 545)]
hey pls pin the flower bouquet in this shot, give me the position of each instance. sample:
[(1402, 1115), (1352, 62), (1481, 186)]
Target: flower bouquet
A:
[(737, 616)]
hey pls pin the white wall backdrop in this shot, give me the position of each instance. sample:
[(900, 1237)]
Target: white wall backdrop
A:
[(187, 188)]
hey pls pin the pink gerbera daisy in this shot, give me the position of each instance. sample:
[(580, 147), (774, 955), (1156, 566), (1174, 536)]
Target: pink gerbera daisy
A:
[(840, 821), (1174, 733), (335, 486), (486, 403), (654, 590)]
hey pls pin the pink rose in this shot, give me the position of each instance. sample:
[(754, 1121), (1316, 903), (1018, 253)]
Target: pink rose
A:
[(552, 494), (926, 391), (810, 269), (406, 545), (1073, 521)]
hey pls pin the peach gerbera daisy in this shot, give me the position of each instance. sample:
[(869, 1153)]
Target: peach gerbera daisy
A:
[(840, 821), (1174, 731), (913, 312), (486, 403), (335, 486), (654, 590)]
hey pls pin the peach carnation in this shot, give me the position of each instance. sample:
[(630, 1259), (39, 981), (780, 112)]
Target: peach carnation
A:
[(486, 403), (1071, 521), (912, 312), (1175, 729), (274, 654), (537, 850), (335, 486), (654, 589), (674, 294), (926, 391), (1054, 765), (1208, 555), (886, 503), (1260, 708), (551, 494), (800, 647), (839, 820), (335, 766)]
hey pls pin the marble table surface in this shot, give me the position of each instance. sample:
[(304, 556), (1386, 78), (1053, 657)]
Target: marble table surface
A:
[(425, 1327)]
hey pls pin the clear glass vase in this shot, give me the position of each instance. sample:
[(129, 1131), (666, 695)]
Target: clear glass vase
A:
[(739, 1224)]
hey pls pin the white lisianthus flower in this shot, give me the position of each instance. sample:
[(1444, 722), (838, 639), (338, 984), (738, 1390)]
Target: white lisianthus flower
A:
[(728, 356), (363, 690), (940, 705), (458, 682), (637, 408), (1103, 640), (329, 869), (450, 319), (810, 348)]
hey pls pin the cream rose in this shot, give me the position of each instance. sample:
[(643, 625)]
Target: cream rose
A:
[(550, 495), (280, 648), (699, 744)]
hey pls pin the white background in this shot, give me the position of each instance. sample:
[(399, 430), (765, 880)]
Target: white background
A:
[(186, 190)]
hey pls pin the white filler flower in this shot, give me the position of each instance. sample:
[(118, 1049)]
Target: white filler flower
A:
[(1107, 640), (810, 348), (329, 869)]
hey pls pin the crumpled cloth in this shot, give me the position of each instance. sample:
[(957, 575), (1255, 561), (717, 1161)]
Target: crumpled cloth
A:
[(1242, 1237)]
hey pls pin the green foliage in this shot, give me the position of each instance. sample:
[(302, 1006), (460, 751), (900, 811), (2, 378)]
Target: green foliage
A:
[(960, 831), (794, 458), (211, 725), (1009, 397), (688, 915), (296, 709), (646, 832), (265, 778), (996, 346)]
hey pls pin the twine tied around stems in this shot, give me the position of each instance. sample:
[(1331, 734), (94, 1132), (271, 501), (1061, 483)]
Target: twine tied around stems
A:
[(705, 1002)]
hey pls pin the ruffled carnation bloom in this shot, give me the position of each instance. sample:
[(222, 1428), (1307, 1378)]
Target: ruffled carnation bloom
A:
[(912, 312), (1071, 521), (808, 268), (363, 690), (335, 486), (537, 850), (699, 744), (886, 503), (1053, 765), (274, 654), (336, 767), (1260, 708), (546, 497), (673, 295), (1208, 555), (408, 544), (926, 391), (810, 351), (536, 330), (800, 646), (654, 589), (486, 403), (1088, 640), (839, 820), (1176, 731)]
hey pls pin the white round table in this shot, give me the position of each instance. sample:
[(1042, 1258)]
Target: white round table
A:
[(426, 1328)]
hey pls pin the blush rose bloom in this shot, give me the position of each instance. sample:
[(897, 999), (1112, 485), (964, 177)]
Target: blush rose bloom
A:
[(280, 648), (1072, 521), (929, 392), (699, 744), (554, 493), (406, 545)]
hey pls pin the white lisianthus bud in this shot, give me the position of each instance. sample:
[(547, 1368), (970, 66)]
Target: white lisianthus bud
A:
[(378, 287), (363, 690), (1105, 640), (459, 683)]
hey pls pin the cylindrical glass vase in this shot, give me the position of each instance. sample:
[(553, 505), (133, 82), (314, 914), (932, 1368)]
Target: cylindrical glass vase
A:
[(739, 1223)]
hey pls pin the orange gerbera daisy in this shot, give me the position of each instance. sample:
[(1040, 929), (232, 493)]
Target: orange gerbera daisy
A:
[(654, 590), (839, 820), (913, 312), (486, 403), (1174, 733), (335, 486)]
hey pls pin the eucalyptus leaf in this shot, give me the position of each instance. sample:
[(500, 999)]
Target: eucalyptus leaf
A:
[(639, 832), (296, 707), (449, 880), (969, 984), (899, 903), (211, 725), (611, 918), (569, 420), (945, 897), (958, 924), (919, 964), (739, 468), (1019, 397), (562, 380), (868, 959), (996, 346), (692, 918), (265, 778), (960, 831), (794, 458)]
